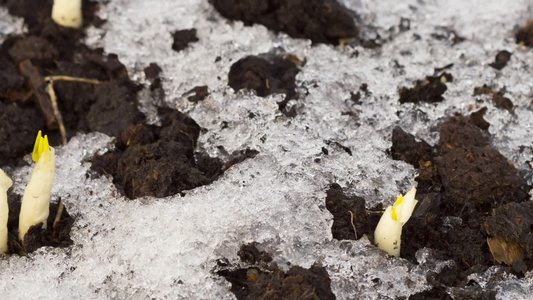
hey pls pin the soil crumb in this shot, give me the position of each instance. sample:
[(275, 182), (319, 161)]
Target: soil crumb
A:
[(197, 94), (498, 98), (478, 120), (501, 60), (428, 90), (266, 74), (182, 39)]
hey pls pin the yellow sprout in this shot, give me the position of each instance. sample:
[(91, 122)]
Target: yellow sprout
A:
[(41, 145), (36, 198), (388, 233)]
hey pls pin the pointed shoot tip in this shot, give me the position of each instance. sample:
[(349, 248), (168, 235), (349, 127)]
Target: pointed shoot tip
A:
[(41, 145)]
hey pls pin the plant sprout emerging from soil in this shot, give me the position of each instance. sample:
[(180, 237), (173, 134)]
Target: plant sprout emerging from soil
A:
[(67, 13), (5, 184), (36, 199), (388, 233)]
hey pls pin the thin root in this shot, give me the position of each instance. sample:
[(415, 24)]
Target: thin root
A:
[(353, 225), (57, 113), (70, 78)]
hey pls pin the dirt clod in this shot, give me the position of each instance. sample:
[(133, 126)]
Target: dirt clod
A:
[(266, 74), (478, 120), (322, 21), (498, 98), (501, 60), (197, 94), (155, 161), (182, 39), (428, 90), (268, 281)]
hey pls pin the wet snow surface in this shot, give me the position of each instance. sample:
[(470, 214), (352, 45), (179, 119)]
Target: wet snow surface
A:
[(168, 248)]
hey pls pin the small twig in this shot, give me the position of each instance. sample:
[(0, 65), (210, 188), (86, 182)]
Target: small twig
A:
[(59, 213), (374, 211), (70, 78), (57, 113), (53, 98), (342, 43), (353, 225)]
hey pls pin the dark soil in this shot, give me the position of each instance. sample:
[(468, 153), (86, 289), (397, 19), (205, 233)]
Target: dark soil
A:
[(182, 39), (36, 237), (149, 160), (152, 73), (49, 49), (501, 59), (18, 127), (265, 280), (160, 160), (524, 35), (511, 237), (266, 74), (350, 221), (153, 160), (470, 196), (322, 21), (498, 98), (428, 90), (465, 190), (478, 120), (197, 94)]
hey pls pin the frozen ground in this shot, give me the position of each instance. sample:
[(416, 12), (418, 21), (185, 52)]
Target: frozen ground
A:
[(168, 248)]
